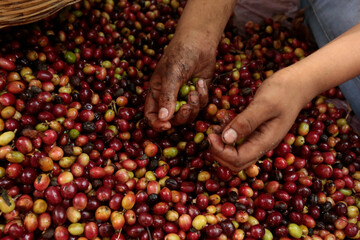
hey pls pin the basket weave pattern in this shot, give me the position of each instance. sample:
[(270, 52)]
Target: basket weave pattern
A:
[(18, 12)]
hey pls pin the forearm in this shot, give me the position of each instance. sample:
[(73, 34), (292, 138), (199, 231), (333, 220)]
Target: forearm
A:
[(331, 65), (208, 17)]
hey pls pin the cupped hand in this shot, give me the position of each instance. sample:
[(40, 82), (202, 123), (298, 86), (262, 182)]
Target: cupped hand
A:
[(189, 54), (263, 124)]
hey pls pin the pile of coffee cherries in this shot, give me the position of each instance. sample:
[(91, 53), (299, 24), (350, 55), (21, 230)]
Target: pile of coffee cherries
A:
[(79, 161)]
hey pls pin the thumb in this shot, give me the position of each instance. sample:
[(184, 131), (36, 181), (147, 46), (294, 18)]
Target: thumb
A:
[(246, 122), (168, 94), (175, 68), (167, 105)]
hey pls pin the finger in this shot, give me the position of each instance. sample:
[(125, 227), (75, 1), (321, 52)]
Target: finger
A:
[(155, 85), (202, 88), (229, 156), (224, 154), (215, 129), (152, 107), (151, 114), (216, 144), (167, 105), (194, 102), (171, 83), (225, 120), (265, 138), (182, 116), (246, 122)]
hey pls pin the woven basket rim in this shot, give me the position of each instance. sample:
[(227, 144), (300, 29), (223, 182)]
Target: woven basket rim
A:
[(22, 12)]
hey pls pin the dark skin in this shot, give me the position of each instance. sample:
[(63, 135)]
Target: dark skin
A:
[(260, 132), (277, 102), (182, 62), (191, 53)]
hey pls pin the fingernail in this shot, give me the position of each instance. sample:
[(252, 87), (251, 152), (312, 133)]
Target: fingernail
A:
[(230, 135), (194, 98), (201, 83), (163, 113)]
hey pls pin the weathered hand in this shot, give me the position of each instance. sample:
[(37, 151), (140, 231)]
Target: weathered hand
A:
[(188, 55)]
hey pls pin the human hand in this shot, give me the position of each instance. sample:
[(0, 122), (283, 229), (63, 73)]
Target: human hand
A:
[(189, 54), (263, 124)]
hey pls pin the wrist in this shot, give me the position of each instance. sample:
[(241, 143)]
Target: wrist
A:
[(297, 84), (208, 17), (201, 37), (305, 81)]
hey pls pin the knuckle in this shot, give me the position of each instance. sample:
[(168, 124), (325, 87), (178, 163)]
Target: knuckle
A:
[(245, 124), (185, 113), (155, 85), (194, 98), (166, 97), (270, 106), (179, 63)]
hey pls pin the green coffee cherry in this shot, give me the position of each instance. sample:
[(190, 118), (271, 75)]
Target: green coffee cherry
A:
[(15, 157), (179, 104), (268, 235), (170, 152), (74, 133), (184, 91), (106, 64), (41, 127), (6, 138), (194, 81), (70, 57), (199, 137), (295, 230)]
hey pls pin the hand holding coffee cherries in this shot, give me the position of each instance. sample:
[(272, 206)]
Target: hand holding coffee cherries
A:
[(262, 125), (277, 102), (191, 53), (280, 98), (182, 60)]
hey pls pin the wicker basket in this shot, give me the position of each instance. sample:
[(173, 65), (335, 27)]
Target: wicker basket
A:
[(18, 12)]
